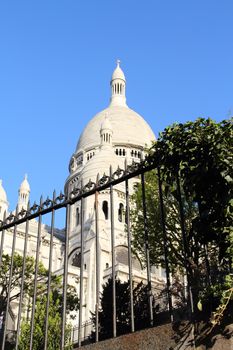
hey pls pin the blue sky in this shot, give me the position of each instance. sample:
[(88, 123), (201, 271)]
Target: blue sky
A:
[(57, 57)]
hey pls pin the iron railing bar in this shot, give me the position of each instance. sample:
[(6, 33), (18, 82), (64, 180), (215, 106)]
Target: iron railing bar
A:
[(35, 279), (113, 258), (65, 277), (147, 252), (129, 255), (77, 198), (2, 239), (97, 266), (165, 244), (34, 215), (9, 284), (81, 275), (22, 282), (49, 275)]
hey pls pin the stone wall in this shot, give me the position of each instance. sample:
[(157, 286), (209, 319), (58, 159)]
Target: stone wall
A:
[(159, 338), (166, 338)]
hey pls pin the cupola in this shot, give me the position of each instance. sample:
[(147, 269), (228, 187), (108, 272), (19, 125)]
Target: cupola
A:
[(118, 84), (24, 193)]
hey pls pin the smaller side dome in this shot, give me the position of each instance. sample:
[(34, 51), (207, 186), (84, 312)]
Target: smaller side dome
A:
[(3, 196), (25, 187), (106, 133), (106, 125)]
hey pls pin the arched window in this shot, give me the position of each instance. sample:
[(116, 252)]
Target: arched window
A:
[(117, 151), (121, 212), (76, 261), (105, 209), (77, 216), (123, 152), (122, 257), (120, 152)]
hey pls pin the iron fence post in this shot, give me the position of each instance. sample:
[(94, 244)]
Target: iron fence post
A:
[(147, 251), (9, 283), (35, 277), (113, 257), (129, 253), (49, 274), (97, 265), (81, 273), (185, 246), (165, 245), (2, 239), (22, 282), (65, 277)]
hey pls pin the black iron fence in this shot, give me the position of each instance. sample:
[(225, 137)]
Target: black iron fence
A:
[(24, 217)]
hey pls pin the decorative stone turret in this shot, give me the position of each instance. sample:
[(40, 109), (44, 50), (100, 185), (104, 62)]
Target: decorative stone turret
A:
[(106, 133), (118, 84), (3, 201), (24, 193)]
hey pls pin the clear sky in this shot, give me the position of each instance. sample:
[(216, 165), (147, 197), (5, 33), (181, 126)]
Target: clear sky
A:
[(57, 57)]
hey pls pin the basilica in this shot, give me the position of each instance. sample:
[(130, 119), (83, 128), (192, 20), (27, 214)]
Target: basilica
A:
[(113, 136)]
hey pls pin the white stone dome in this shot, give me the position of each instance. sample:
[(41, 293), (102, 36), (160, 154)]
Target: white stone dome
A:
[(3, 196), (128, 128), (114, 135)]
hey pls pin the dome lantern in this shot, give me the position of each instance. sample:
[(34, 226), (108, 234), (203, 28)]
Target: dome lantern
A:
[(118, 84)]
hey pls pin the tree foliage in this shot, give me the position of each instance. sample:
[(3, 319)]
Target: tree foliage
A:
[(201, 152), (55, 308), (54, 328), (17, 278), (200, 155), (123, 318)]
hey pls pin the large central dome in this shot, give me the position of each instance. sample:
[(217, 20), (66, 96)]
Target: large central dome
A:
[(128, 128), (126, 134)]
